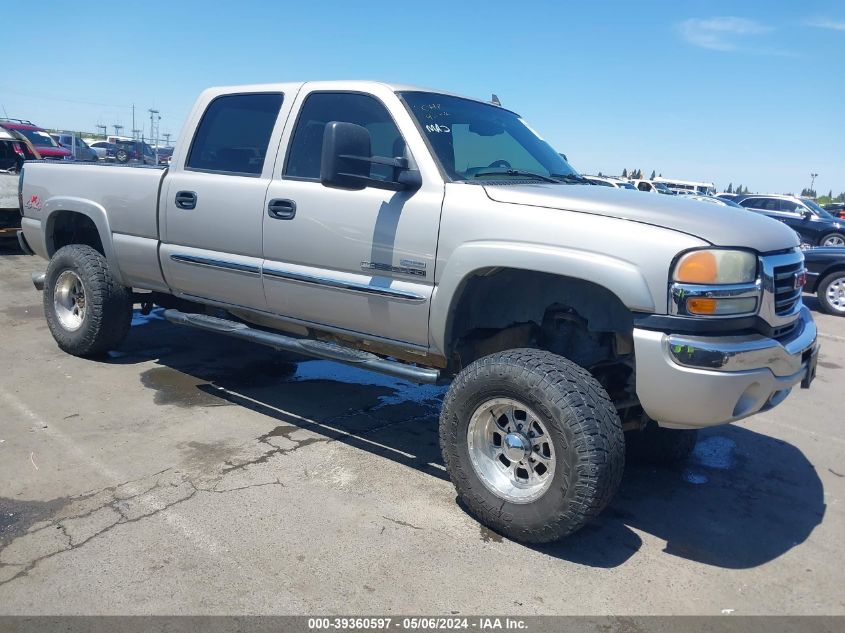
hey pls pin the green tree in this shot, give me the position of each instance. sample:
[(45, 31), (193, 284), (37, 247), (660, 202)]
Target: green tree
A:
[(739, 189), (730, 188), (652, 175), (625, 172)]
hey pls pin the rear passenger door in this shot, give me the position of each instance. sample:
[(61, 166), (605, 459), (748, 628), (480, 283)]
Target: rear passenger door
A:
[(214, 201)]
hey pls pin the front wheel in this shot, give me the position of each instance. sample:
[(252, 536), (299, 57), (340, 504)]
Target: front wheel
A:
[(88, 311), (532, 443), (831, 293), (834, 239)]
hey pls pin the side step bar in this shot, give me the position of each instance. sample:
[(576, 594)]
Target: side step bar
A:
[(307, 347)]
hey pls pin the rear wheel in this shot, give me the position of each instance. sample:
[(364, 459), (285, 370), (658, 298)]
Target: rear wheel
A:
[(532, 443), (88, 311), (831, 293), (121, 156), (834, 239)]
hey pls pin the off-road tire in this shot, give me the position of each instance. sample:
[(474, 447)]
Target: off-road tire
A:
[(584, 428), (108, 312), (824, 303), (656, 445)]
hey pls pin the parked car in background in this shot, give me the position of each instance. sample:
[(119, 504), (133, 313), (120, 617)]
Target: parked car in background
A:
[(715, 200), (652, 187), (164, 155), (826, 278), (40, 138), (727, 196), (609, 181), (14, 150), (136, 151), (74, 142), (814, 225), (836, 209), (105, 150)]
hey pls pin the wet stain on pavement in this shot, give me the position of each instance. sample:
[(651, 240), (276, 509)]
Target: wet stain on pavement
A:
[(16, 517), (183, 390), (828, 365), (24, 313)]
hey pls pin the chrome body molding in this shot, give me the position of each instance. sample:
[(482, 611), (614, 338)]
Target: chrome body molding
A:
[(215, 263), (339, 284)]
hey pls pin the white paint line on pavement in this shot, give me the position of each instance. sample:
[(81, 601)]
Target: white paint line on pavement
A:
[(195, 536), (832, 337)]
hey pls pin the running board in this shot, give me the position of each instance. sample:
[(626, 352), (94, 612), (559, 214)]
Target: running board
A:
[(307, 347)]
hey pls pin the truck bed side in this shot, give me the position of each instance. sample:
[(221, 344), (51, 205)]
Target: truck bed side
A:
[(120, 202)]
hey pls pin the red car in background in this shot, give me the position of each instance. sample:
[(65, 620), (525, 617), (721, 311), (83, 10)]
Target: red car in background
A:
[(43, 142)]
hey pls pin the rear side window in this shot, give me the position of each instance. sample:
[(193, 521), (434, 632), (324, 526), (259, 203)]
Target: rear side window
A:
[(788, 206), (234, 134), (306, 146)]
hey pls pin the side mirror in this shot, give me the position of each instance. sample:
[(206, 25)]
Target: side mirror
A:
[(806, 214), (346, 160)]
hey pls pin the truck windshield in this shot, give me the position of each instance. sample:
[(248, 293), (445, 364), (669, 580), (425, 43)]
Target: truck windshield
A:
[(474, 141)]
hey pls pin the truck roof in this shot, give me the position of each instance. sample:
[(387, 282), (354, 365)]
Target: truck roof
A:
[(342, 84)]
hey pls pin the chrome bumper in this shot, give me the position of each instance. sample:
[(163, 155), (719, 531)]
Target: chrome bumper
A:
[(696, 381)]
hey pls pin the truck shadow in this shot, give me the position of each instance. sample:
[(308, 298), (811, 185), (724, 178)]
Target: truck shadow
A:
[(742, 500)]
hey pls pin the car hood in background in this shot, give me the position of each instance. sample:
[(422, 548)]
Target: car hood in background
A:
[(717, 224)]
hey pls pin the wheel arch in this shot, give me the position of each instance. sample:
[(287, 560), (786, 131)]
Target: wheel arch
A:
[(77, 220), (544, 275)]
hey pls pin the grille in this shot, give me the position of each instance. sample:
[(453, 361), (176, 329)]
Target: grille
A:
[(786, 295)]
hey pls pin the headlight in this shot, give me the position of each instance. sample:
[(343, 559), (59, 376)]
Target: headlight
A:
[(716, 266), (715, 282)]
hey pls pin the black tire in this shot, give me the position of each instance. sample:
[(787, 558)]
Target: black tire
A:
[(824, 302), (108, 305), (582, 424), (839, 237), (121, 156), (656, 445)]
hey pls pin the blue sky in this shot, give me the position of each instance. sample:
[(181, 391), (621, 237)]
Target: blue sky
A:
[(748, 92)]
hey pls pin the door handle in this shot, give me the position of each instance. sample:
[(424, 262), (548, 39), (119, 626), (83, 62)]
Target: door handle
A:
[(186, 199), (281, 209)]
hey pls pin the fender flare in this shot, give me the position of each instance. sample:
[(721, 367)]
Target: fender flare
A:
[(93, 211), (620, 277)]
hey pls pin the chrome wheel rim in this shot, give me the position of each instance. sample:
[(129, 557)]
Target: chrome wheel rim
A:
[(834, 240), (836, 294), (69, 301), (511, 450)]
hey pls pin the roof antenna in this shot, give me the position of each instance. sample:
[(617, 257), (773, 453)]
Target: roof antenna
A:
[(495, 100)]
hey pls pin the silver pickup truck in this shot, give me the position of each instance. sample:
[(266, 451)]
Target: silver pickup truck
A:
[(439, 238)]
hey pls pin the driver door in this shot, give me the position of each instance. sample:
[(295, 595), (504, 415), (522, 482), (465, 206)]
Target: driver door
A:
[(356, 261)]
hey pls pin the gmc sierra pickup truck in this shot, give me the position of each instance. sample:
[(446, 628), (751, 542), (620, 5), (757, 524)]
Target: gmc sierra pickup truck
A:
[(439, 238)]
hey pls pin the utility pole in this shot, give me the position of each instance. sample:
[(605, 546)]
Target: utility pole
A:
[(104, 128), (812, 181), (136, 134), (154, 118), (166, 136), (133, 117), (117, 128)]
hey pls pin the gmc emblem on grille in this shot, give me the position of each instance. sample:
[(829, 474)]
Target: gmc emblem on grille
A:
[(800, 280)]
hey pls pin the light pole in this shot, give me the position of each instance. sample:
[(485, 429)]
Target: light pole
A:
[(167, 136), (154, 116), (117, 128), (812, 181), (104, 128)]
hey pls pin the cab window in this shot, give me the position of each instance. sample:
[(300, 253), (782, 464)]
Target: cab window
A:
[(320, 108), (234, 133)]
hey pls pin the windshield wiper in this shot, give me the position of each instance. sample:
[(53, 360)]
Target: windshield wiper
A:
[(572, 178), (517, 172)]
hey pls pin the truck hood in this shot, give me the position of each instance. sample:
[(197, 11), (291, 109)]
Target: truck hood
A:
[(717, 224)]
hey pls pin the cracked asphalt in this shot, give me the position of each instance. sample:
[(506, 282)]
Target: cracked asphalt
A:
[(191, 474)]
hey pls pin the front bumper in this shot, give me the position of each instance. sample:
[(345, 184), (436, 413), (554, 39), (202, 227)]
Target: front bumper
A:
[(698, 381)]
